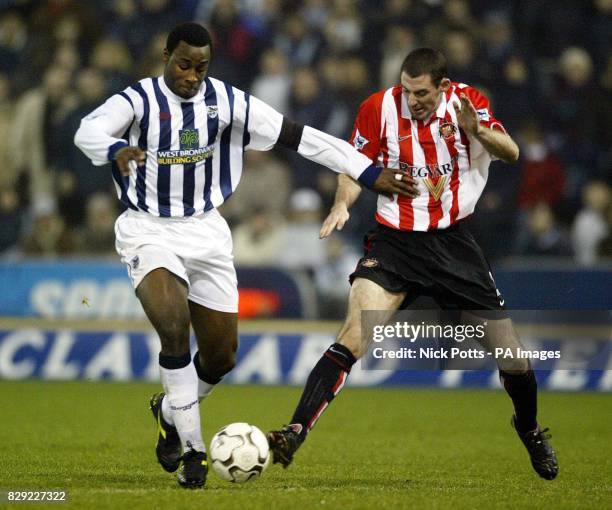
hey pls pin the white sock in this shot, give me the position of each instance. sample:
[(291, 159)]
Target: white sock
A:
[(166, 411), (204, 389), (181, 387)]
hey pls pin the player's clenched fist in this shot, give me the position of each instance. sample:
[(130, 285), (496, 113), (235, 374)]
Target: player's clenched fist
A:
[(392, 181), (127, 154)]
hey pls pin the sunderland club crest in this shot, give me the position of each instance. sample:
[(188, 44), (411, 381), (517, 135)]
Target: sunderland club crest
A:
[(447, 130)]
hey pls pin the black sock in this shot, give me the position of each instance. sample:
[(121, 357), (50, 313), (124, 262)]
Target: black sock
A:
[(324, 383), (174, 362), (523, 390)]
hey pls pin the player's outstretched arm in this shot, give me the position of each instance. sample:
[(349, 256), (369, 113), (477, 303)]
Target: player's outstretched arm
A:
[(496, 143), (347, 192), (267, 128)]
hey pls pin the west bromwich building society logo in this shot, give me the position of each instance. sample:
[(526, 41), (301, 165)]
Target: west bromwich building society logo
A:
[(189, 138), (189, 152)]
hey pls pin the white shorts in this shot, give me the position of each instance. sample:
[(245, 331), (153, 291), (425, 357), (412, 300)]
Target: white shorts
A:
[(197, 249)]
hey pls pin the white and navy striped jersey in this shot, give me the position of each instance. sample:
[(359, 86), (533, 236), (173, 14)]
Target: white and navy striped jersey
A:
[(194, 147)]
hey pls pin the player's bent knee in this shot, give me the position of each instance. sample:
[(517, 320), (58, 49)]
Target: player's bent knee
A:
[(220, 364)]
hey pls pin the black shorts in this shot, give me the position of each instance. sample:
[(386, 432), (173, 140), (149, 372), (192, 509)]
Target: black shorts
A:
[(446, 265)]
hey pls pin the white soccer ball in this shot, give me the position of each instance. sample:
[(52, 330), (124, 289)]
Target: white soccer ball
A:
[(239, 452)]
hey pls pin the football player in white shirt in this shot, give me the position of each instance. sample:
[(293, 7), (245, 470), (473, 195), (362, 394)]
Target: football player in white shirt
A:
[(176, 144)]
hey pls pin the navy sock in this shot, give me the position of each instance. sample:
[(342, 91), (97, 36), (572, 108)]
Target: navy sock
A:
[(523, 390), (202, 375), (324, 382), (174, 362)]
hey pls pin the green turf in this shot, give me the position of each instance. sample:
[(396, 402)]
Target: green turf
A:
[(372, 449)]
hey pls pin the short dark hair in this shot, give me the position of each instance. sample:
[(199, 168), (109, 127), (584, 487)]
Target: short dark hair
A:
[(426, 61), (193, 34)]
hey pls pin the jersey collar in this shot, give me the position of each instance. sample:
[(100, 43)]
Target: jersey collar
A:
[(167, 92), (440, 112)]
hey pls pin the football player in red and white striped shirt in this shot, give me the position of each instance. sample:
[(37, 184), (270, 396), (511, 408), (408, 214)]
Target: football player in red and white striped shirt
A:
[(443, 135)]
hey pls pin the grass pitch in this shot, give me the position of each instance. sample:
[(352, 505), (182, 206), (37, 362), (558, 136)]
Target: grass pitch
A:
[(373, 448)]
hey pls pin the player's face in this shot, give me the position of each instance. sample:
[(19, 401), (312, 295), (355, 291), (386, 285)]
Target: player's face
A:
[(186, 68), (422, 95)]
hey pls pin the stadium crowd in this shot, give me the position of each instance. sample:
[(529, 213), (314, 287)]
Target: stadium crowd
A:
[(546, 66)]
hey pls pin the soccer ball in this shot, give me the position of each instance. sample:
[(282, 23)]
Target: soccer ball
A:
[(239, 452)]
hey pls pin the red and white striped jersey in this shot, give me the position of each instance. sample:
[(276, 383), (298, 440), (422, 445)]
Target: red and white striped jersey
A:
[(450, 167)]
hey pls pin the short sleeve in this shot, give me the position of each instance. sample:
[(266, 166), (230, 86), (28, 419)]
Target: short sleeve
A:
[(483, 108), (366, 131)]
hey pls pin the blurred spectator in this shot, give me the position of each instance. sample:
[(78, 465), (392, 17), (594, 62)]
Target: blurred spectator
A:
[(151, 64), (80, 179), (331, 278), (112, 58), (544, 235), (316, 12), (158, 15), (591, 226), (497, 42), (11, 218), (399, 41), (265, 186), (273, 84), (8, 175), (578, 112), (58, 23), (514, 99), (87, 179), (343, 27), (48, 236), (135, 22), (308, 105), (542, 175), (300, 44), (39, 113), (11, 214), (13, 39), (97, 237), (354, 88), (453, 16), (67, 57), (600, 31), (605, 246), (258, 241), (548, 26), (463, 63), (125, 23), (235, 50), (339, 119), (302, 248), (496, 212)]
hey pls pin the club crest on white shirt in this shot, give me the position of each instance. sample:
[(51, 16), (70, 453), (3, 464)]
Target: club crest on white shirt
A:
[(212, 111), (359, 141)]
